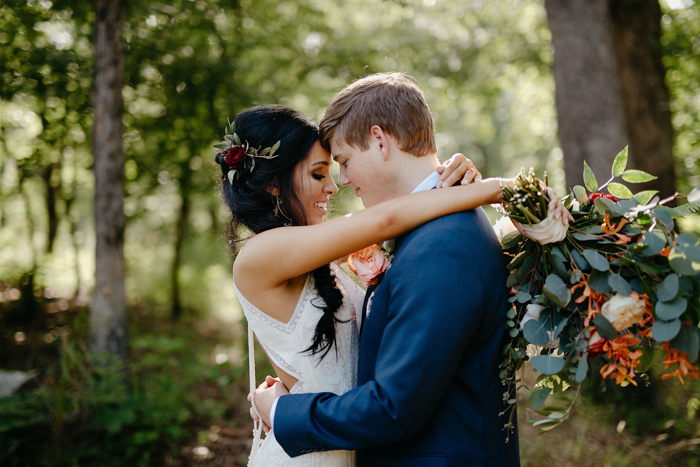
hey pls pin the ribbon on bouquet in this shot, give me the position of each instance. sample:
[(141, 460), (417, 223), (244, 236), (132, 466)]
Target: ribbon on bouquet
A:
[(257, 425)]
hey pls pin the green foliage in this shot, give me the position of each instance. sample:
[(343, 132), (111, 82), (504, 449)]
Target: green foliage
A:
[(88, 415)]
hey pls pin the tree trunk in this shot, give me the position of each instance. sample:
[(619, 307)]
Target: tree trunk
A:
[(51, 216), (108, 314), (637, 38), (181, 231), (590, 110)]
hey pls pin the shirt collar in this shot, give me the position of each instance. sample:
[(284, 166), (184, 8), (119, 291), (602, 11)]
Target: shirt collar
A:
[(428, 184)]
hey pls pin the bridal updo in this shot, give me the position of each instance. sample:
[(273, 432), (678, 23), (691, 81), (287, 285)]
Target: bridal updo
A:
[(253, 207)]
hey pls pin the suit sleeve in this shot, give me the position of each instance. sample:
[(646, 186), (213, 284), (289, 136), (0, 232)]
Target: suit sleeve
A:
[(437, 296)]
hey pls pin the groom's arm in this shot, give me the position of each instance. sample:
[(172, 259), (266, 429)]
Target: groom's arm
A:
[(431, 322)]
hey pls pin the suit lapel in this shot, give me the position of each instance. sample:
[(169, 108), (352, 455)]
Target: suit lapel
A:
[(368, 297)]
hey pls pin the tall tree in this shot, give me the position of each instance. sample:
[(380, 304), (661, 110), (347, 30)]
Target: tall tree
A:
[(610, 89), (637, 37), (108, 315), (589, 103)]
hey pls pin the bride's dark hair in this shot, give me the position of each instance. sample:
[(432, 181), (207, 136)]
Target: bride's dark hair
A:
[(253, 207)]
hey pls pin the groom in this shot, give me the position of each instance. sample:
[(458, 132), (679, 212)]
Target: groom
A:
[(429, 391)]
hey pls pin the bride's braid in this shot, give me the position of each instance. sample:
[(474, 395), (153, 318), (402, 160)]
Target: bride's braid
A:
[(253, 207)]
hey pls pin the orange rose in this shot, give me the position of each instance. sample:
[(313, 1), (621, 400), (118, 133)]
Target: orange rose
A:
[(368, 264)]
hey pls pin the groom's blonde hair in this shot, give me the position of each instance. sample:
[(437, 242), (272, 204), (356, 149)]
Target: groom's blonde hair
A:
[(393, 101)]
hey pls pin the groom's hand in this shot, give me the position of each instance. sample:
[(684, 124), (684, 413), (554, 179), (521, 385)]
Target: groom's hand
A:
[(265, 396), (456, 168)]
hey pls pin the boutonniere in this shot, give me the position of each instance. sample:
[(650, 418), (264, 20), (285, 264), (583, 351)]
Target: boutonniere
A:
[(371, 263)]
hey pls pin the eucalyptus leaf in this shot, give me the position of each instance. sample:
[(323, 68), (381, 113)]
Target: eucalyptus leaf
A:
[(606, 206), (547, 364), (517, 261), (687, 341), (655, 242), (598, 281), (556, 290), (620, 191), (231, 174), (630, 229), (664, 331), (594, 229), (582, 369), (522, 297), (221, 145), (596, 260), (620, 163), (605, 327), (589, 178), (687, 238), (580, 194), (583, 237), (236, 139), (580, 260), (637, 176), (686, 285), (669, 311), (685, 259), (535, 332), (510, 240), (626, 205), (619, 284), (664, 216), (560, 327), (538, 397), (636, 285), (668, 288)]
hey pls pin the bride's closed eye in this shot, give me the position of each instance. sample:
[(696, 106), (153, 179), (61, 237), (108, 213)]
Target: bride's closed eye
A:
[(318, 176)]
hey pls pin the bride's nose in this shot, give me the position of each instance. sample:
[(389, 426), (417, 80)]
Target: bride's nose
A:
[(331, 187)]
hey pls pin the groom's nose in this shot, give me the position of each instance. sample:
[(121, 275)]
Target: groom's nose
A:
[(343, 179)]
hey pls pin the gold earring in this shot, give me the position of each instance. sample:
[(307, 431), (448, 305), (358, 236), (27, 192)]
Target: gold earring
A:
[(278, 211)]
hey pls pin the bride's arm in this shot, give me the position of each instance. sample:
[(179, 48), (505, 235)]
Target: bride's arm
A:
[(277, 255)]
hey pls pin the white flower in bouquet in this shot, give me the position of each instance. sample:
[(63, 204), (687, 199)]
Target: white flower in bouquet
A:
[(533, 311), (623, 311), (549, 230), (503, 227)]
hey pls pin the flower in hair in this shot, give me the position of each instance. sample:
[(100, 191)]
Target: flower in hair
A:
[(235, 157)]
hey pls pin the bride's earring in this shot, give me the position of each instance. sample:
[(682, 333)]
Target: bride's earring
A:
[(278, 211)]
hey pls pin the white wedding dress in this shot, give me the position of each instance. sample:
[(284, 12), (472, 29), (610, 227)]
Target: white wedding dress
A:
[(286, 344)]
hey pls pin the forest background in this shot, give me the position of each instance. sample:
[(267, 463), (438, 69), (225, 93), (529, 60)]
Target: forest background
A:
[(511, 83)]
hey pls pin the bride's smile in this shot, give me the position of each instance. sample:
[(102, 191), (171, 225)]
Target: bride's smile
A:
[(314, 185)]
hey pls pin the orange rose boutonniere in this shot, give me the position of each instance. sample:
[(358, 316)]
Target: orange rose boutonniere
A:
[(369, 264)]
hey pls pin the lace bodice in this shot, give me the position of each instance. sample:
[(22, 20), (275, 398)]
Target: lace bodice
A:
[(286, 344)]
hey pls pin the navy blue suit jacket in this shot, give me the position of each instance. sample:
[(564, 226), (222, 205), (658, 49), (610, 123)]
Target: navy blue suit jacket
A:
[(429, 391)]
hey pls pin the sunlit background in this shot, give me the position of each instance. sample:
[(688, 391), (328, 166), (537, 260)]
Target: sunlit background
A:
[(484, 66)]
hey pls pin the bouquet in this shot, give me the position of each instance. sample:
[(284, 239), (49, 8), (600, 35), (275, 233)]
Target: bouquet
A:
[(601, 294)]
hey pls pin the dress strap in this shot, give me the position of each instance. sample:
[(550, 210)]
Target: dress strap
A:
[(257, 425)]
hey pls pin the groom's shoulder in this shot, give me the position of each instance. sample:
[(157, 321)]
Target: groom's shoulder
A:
[(473, 224)]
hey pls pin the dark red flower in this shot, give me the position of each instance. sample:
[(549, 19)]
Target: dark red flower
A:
[(598, 195), (235, 157)]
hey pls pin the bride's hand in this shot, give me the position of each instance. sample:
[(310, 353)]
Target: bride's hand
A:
[(560, 211), (265, 396), (456, 167), (269, 382), (556, 207)]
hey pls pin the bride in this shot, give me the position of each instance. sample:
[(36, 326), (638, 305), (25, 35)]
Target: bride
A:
[(301, 305)]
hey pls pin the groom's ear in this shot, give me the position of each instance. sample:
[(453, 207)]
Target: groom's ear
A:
[(382, 139)]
